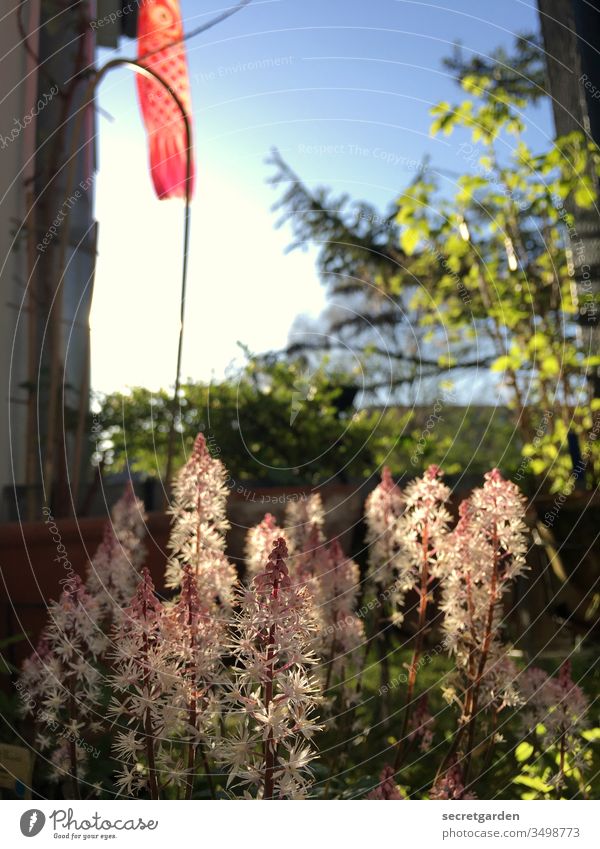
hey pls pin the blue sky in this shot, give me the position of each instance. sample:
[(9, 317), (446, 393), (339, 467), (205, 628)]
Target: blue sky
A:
[(343, 90)]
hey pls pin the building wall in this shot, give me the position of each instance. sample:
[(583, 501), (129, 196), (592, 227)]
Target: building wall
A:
[(18, 85), (28, 205)]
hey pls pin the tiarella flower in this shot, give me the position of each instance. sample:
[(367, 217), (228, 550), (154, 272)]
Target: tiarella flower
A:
[(482, 556), (32, 680), (194, 638), (387, 789), (558, 710), (193, 633), (147, 705), (484, 553), (301, 518), (383, 508), (199, 526), (129, 525), (60, 684), (113, 572), (111, 577), (311, 560), (259, 544), (420, 533), (73, 630), (272, 697), (227, 674), (64, 753), (499, 684), (335, 589), (422, 530), (531, 684), (451, 785)]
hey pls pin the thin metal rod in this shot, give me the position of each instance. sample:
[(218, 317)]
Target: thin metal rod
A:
[(139, 68)]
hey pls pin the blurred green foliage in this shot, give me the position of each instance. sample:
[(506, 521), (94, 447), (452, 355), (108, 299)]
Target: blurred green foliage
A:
[(356, 763), (272, 423), (276, 425), (504, 243), (475, 274)]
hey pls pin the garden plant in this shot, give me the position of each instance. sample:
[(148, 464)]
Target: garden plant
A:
[(297, 677)]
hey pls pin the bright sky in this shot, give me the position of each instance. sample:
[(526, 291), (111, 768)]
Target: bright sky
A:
[(300, 76)]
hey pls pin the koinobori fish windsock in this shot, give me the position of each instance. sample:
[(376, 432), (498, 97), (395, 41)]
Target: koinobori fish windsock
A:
[(159, 25)]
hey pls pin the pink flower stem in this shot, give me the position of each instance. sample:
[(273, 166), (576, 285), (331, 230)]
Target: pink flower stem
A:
[(331, 655), (72, 741), (191, 754), (207, 773), (561, 767), (150, 753), (269, 743), (476, 687), (198, 549), (148, 734), (73, 748), (269, 747), (192, 707), (492, 741), (470, 703), (412, 673)]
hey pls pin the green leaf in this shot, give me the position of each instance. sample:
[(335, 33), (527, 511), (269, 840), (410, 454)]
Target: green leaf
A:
[(534, 783), (502, 363), (550, 365), (409, 239), (523, 751), (591, 734)]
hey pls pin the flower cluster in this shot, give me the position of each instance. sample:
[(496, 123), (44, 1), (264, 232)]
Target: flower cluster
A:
[(302, 517), (259, 544), (62, 677), (272, 695), (146, 706), (334, 589), (451, 785), (311, 560), (129, 526), (557, 709), (199, 526), (113, 572), (167, 657), (405, 533), (383, 508), (387, 789), (410, 531), (195, 639), (484, 553), (421, 725), (215, 689), (330, 579), (420, 530)]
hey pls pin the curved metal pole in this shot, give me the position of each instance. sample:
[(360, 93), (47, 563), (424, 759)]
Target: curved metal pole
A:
[(93, 83)]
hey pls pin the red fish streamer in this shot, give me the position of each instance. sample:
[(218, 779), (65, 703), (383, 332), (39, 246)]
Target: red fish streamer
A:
[(159, 25)]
